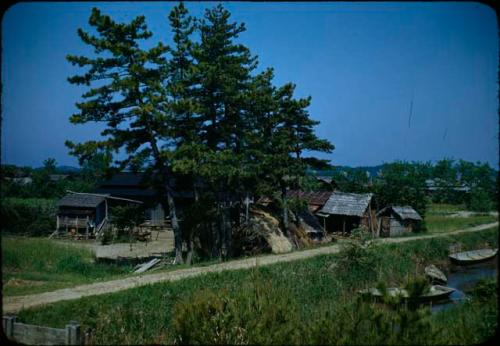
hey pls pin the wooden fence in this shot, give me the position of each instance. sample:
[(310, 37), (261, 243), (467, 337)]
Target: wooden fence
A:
[(38, 335)]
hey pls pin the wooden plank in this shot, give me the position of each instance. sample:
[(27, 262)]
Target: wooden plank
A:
[(38, 335), (147, 265)]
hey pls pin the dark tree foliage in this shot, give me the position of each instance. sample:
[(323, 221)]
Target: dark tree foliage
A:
[(196, 110), (129, 97), (401, 183)]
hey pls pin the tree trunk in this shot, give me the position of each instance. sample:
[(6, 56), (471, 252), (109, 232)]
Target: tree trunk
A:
[(189, 255), (176, 228), (246, 208), (285, 208)]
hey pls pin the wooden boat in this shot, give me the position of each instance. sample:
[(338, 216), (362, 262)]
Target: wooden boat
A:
[(435, 293), (436, 275), (474, 256)]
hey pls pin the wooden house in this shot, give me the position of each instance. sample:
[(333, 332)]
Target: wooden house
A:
[(344, 212), (83, 215), (80, 213), (396, 220), (134, 186)]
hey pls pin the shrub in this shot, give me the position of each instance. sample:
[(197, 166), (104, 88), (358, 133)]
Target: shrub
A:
[(28, 216), (479, 201)]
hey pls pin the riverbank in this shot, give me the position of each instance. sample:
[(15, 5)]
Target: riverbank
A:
[(320, 290)]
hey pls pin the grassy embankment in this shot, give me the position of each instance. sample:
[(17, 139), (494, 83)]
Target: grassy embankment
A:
[(33, 265), (308, 301), (438, 218)]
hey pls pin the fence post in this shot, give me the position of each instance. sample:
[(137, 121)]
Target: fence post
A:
[(73, 333), (8, 325), (87, 337)]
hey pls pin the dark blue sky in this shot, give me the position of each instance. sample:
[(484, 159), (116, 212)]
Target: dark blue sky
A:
[(362, 63)]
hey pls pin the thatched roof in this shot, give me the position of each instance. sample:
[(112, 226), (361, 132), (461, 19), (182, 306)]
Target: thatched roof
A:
[(405, 212), (80, 201), (350, 204)]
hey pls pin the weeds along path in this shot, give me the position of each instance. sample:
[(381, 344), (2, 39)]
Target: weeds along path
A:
[(16, 303)]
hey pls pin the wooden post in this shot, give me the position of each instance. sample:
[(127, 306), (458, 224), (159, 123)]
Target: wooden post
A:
[(343, 226), (73, 333), (8, 325), (324, 224), (105, 208), (57, 223), (87, 227)]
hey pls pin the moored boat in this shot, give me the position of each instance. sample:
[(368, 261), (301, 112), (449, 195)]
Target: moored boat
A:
[(474, 256), (436, 275), (435, 293)]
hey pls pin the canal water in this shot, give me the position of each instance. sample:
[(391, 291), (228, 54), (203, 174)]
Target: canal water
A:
[(463, 279)]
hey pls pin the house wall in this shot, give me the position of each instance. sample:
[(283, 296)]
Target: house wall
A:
[(335, 223), (397, 227), (156, 214)]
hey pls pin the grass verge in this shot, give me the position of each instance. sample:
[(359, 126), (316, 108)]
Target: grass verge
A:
[(33, 265), (320, 291)]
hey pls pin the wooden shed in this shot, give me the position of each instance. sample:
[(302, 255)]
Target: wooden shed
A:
[(397, 220), (344, 212), (80, 212), (84, 215)]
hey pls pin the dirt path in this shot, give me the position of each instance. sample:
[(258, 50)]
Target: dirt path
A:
[(14, 304)]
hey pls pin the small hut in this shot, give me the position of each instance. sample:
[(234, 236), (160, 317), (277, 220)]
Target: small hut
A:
[(344, 212), (397, 220), (79, 212), (85, 214)]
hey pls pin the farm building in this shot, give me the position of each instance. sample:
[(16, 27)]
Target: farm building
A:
[(314, 200), (84, 214), (344, 212), (132, 186), (396, 220)]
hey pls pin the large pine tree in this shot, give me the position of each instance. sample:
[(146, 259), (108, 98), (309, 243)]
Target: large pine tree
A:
[(127, 94)]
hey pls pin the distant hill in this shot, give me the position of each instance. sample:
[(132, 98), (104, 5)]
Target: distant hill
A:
[(373, 170), (68, 169), (63, 169)]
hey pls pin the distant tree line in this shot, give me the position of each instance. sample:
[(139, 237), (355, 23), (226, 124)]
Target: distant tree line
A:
[(49, 181), (401, 182), (196, 109)]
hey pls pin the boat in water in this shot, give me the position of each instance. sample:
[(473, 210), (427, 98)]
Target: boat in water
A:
[(435, 275), (474, 256), (435, 293)]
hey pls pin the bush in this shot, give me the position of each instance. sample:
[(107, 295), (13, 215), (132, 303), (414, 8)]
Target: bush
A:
[(480, 201), (28, 216)]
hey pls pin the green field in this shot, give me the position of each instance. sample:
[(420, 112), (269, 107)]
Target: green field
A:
[(32, 265), (297, 302), (438, 218)]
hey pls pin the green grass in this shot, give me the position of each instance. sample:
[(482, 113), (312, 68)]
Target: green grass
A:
[(439, 223), (33, 265), (471, 322), (46, 203), (443, 208), (438, 220), (313, 288)]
